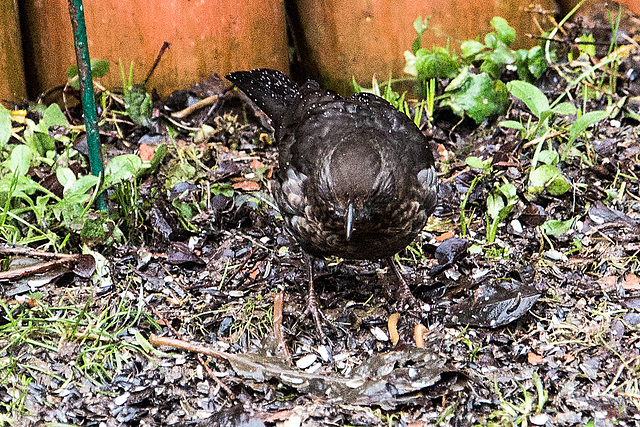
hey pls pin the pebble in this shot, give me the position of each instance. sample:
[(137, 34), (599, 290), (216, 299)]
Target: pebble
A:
[(323, 351), (293, 421), (517, 227), (539, 420), (554, 255), (314, 368), (305, 361), (379, 334), (122, 399)]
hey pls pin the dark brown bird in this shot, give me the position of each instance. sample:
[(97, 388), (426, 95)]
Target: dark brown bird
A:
[(356, 178)]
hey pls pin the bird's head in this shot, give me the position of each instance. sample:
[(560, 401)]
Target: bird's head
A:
[(357, 182)]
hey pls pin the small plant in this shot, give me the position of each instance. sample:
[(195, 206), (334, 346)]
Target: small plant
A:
[(476, 95), (519, 413), (480, 95), (547, 177), (539, 105), (496, 54), (499, 203), (99, 68), (137, 101), (485, 167)]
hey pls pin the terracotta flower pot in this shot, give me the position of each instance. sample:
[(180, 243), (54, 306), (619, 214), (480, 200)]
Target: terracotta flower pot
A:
[(567, 5), (12, 85), (205, 35), (345, 38)]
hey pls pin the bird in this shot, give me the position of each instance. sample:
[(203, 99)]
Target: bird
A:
[(355, 179)]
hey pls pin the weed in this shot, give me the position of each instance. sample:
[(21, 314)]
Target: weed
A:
[(499, 203), (96, 335), (478, 95), (519, 413), (485, 167)]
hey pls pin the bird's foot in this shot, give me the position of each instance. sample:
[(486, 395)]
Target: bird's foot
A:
[(406, 298), (312, 310), (403, 294)]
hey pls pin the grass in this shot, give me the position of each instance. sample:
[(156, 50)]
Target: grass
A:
[(96, 337)]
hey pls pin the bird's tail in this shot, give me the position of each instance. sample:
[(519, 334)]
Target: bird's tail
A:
[(270, 89)]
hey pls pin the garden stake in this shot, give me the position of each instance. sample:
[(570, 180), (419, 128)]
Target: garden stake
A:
[(76, 13)]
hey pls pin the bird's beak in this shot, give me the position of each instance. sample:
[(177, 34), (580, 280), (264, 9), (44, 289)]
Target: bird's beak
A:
[(349, 223)]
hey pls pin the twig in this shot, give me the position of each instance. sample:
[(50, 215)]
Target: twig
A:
[(542, 138), (617, 375), (26, 251), (198, 105), (200, 359), (278, 305), (163, 49), (33, 269), (250, 364)]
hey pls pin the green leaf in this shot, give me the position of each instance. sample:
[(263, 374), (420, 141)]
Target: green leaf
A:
[(121, 168), (52, 116), (507, 190), (491, 68), (20, 159), (533, 97), (72, 71), (410, 63), (511, 124), (503, 55), (536, 61), (581, 124), (138, 105), (474, 162), (65, 176), (495, 204), (5, 126), (224, 189), (420, 27), (477, 95), (491, 40), (435, 63), (588, 45), (564, 108), (555, 227), (40, 143), (506, 34), (471, 48), (548, 157), (522, 66), (81, 186), (416, 45), (548, 177), (99, 68)]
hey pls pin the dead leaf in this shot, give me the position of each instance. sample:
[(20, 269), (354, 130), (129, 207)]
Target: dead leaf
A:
[(146, 152), (246, 185), (494, 304), (256, 164), (444, 236), (535, 359), (630, 282)]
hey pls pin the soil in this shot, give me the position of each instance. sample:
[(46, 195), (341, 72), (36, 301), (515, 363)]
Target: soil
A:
[(532, 329)]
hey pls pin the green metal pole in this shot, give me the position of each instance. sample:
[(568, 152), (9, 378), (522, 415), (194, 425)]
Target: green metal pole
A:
[(76, 12)]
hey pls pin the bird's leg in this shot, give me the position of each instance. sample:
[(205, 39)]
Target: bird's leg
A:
[(312, 302), (404, 294)]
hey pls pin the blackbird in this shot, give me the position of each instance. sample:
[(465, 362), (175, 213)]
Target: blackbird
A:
[(355, 179)]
